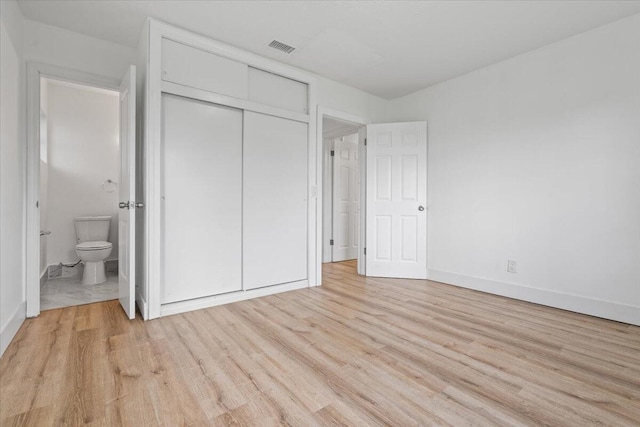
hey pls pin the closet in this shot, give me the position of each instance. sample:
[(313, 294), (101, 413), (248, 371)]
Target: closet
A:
[(228, 146)]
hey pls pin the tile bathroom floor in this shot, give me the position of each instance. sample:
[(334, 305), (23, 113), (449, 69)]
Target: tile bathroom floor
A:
[(64, 292)]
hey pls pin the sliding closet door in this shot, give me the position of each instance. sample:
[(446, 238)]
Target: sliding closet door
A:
[(202, 198), (275, 201)]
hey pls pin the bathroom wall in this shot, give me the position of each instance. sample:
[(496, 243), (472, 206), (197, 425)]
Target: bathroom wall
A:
[(83, 138)]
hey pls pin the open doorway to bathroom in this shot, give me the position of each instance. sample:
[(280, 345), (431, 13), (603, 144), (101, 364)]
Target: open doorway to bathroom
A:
[(342, 192), (79, 170)]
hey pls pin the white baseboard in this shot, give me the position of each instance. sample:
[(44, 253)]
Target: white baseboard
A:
[(11, 326), (212, 301), (579, 304)]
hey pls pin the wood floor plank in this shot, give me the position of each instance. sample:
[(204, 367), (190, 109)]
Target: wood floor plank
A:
[(357, 351)]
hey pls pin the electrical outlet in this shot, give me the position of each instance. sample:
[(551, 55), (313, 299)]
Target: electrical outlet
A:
[(512, 266)]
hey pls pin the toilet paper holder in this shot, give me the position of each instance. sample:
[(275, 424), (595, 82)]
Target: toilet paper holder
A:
[(109, 186)]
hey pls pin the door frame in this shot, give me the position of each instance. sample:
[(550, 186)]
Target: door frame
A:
[(36, 71), (322, 112)]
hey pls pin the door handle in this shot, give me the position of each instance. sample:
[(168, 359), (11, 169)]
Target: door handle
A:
[(420, 208), (131, 205), (44, 233)]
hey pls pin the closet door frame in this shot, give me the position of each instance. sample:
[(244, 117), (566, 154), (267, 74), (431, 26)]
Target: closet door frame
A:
[(155, 86)]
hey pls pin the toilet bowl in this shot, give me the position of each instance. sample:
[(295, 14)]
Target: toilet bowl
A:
[(93, 254), (93, 248)]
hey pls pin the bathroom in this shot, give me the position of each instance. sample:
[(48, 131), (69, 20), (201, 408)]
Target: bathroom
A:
[(79, 170)]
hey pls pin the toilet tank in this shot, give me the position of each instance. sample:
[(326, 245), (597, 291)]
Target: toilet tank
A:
[(92, 228)]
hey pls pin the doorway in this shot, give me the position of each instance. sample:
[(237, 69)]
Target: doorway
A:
[(392, 203), (78, 190), (67, 138), (342, 157)]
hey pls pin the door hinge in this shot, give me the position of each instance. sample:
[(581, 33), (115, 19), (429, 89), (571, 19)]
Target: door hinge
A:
[(331, 242), (333, 153), (365, 141), (365, 251)]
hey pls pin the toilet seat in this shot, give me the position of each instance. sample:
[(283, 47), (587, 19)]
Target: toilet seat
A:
[(93, 246)]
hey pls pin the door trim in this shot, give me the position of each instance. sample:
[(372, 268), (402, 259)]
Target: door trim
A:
[(36, 71), (323, 111)]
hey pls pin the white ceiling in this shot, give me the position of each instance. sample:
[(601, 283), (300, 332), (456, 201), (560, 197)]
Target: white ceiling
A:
[(333, 127), (386, 48)]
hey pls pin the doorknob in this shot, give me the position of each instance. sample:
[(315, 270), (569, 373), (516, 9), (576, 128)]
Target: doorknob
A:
[(123, 205), (420, 208)]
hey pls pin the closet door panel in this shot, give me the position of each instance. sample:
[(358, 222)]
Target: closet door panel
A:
[(202, 199), (274, 201)]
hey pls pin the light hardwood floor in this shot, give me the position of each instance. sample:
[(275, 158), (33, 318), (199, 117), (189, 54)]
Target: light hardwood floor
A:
[(355, 351)]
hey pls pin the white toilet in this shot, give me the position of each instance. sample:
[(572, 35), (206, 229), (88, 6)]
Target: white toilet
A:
[(93, 248)]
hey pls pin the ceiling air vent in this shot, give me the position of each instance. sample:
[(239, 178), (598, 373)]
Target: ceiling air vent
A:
[(283, 47)]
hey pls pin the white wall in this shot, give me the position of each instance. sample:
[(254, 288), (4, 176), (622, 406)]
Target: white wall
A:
[(350, 100), (12, 166), (537, 159), (56, 46), (83, 143)]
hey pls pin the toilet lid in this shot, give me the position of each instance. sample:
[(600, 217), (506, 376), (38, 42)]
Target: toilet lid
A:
[(88, 246)]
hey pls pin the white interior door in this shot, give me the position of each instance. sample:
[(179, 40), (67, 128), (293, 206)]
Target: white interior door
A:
[(346, 186), (396, 217), (127, 213)]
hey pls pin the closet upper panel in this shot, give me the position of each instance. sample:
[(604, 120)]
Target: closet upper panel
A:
[(197, 68), (277, 91)]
